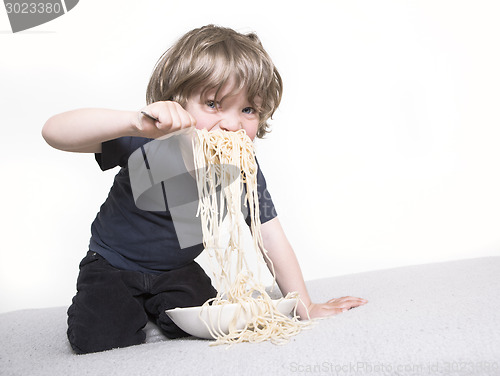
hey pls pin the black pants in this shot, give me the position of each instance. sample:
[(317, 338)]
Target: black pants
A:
[(112, 306)]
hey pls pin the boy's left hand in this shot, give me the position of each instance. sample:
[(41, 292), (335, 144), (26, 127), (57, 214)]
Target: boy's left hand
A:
[(333, 306)]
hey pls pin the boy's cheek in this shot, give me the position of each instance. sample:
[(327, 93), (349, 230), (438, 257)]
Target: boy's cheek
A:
[(203, 125), (252, 132)]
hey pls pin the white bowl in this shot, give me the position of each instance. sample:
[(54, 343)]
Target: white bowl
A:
[(189, 320)]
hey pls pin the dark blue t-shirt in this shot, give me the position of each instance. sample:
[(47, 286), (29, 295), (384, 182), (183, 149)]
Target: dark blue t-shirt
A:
[(134, 239)]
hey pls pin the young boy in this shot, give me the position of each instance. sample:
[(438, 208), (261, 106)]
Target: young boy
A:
[(212, 78)]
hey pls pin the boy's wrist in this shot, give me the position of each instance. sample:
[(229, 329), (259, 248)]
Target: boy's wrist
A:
[(134, 125)]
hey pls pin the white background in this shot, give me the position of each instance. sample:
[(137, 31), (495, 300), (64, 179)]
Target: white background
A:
[(385, 150)]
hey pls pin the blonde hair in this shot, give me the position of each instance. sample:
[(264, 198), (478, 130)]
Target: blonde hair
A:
[(208, 58)]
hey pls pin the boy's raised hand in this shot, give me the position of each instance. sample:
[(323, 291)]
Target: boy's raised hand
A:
[(334, 306), (171, 117)]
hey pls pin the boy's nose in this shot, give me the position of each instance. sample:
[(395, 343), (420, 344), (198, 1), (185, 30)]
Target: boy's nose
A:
[(230, 123)]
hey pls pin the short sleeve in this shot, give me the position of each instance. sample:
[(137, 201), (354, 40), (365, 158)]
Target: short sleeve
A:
[(117, 151)]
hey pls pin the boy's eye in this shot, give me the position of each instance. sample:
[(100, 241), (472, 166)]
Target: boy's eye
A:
[(211, 104), (248, 110)]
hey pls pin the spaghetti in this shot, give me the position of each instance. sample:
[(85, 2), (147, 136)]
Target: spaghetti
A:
[(225, 162)]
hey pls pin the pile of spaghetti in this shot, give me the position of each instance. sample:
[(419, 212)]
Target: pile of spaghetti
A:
[(226, 171)]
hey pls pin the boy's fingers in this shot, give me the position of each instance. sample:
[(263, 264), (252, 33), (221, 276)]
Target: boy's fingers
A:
[(187, 119), (339, 300), (175, 116), (349, 303), (193, 120), (166, 120), (171, 117), (347, 298)]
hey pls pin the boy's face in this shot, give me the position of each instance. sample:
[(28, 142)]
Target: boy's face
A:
[(232, 113)]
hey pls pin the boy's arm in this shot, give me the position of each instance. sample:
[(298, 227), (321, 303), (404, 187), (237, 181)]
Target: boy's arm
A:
[(84, 130), (289, 276)]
